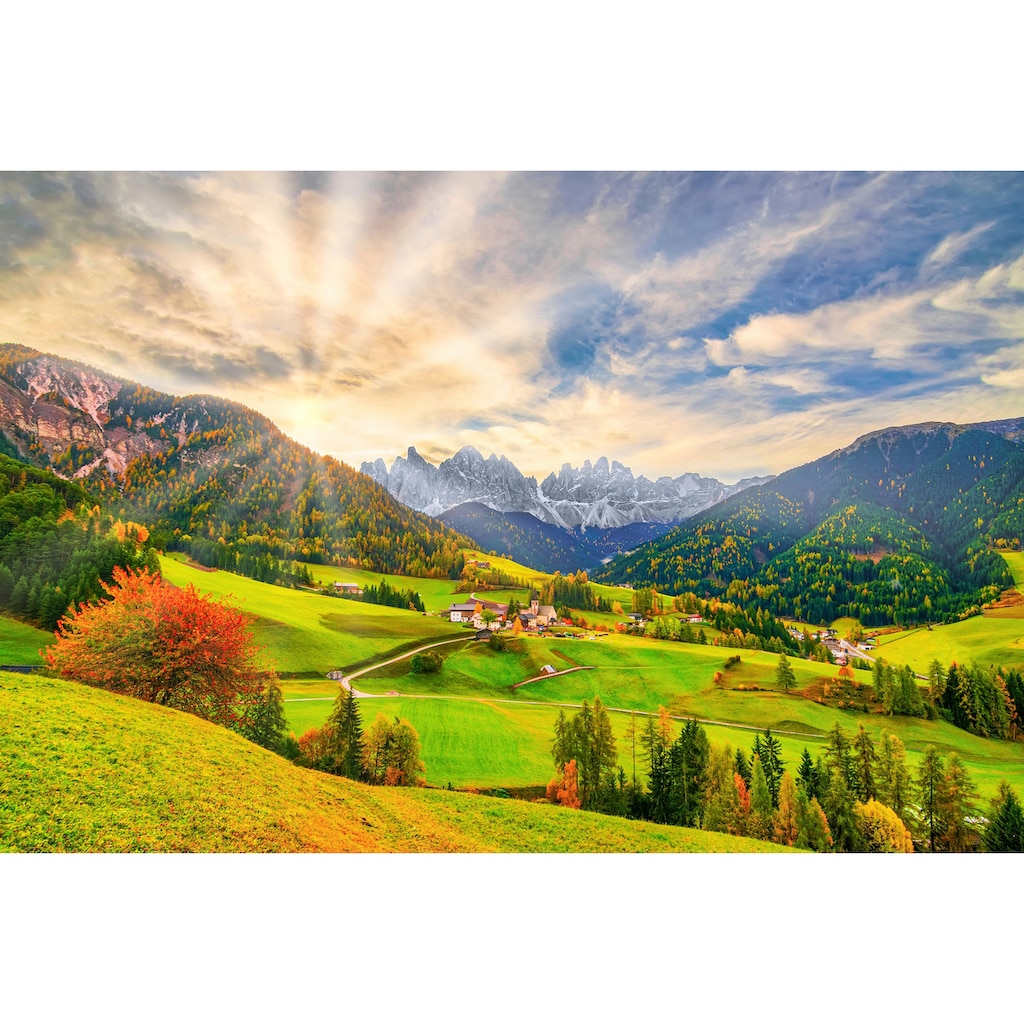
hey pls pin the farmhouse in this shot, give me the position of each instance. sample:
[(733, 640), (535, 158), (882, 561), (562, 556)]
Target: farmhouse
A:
[(462, 612), (352, 589)]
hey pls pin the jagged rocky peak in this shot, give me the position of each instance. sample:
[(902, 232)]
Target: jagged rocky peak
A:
[(602, 494)]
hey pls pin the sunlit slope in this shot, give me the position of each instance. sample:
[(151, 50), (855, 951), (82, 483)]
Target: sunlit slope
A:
[(86, 770), (307, 632)]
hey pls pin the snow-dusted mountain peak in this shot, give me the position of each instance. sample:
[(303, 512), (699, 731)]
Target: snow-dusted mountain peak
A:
[(603, 494)]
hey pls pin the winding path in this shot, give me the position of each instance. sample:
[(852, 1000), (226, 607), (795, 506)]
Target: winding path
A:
[(346, 682)]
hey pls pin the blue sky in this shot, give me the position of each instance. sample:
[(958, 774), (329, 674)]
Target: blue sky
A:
[(730, 324)]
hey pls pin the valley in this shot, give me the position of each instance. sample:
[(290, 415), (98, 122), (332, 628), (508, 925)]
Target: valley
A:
[(911, 535)]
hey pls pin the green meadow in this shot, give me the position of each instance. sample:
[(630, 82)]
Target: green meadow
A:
[(478, 731), (308, 633), (87, 770), (20, 643)]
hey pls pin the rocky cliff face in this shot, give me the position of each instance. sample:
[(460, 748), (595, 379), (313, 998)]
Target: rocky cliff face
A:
[(75, 418), (602, 495)]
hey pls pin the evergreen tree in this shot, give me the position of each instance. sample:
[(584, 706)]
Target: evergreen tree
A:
[(812, 826), (881, 684), (842, 819), (787, 824), (742, 766), (838, 756), (936, 682), (929, 788), (265, 723), (1005, 830), (864, 764), (892, 777), (350, 734), (771, 761), (958, 807), (761, 824), (785, 678), (688, 759), (807, 777)]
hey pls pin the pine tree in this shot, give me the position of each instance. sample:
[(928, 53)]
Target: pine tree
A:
[(839, 808), (864, 763), (265, 721), (742, 766), (812, 826), (785, 678), (892, 778), (688, 757), (786, 822), (929, 787), (761, 824), (351, 731), (771, 761), (837, 754), (958, 806), (1005, 830), (807, 777)]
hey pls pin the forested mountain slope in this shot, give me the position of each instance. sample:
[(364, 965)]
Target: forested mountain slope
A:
[(899, 526), (209, 476)]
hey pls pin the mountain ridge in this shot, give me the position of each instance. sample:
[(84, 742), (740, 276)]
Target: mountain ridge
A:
[(603, 494), (213, 477)]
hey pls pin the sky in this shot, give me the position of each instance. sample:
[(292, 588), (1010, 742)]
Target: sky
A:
[(731, 324)]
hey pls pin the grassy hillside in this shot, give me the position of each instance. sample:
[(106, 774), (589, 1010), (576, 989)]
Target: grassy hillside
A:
[(310, 633), (85, 770), (477, 731), (20, 643)]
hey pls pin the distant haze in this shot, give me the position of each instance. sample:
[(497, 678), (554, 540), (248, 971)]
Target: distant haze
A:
[(731, 325)]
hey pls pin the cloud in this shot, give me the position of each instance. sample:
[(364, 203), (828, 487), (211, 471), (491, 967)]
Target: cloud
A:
[(952, 246), (671, 321)]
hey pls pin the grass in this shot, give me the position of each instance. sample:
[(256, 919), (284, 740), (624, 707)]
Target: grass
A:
[(86, 770), (992, 638), (490, 735), (20, 643), (312, 633), (468, 746)]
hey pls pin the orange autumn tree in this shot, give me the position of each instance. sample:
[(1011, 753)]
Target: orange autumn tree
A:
[(174, 647)]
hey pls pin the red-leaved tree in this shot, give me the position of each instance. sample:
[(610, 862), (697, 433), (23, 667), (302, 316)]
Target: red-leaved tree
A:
[(168, 645)]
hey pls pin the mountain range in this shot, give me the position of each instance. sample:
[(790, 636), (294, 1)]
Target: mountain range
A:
[(904, 524), (574, 519)]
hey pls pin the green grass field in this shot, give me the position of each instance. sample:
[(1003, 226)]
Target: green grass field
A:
[(487, 734), (87, 770), (312, 633), (20, 643), (470, 721)]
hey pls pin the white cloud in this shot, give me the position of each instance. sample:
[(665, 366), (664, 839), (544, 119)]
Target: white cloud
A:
[(952, 246)]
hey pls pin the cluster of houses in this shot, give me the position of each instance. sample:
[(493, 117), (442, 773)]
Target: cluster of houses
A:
[(841, 650), (475, 612)]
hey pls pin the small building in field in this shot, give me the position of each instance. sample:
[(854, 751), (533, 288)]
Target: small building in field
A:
[(352, 589), (462, 612), (484, 634)]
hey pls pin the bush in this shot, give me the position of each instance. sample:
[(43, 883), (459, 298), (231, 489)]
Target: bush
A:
[(429, 661), (174, 647)]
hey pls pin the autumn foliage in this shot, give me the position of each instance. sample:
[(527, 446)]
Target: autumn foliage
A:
[(170, 646)]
